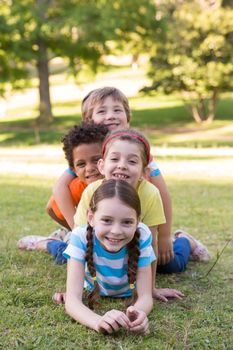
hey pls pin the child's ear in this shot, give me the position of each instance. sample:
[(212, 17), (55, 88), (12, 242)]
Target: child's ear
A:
[(100, 166), (146, 172), (90, 217)]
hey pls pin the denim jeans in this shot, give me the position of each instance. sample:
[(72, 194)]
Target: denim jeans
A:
[(182, 250), (56, 248)]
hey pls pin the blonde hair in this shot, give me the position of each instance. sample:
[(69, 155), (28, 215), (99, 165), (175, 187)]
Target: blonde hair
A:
[(97, 96)]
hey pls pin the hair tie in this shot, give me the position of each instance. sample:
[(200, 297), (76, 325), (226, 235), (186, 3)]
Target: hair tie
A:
[(94, 278), (132, 285), (145, 143)]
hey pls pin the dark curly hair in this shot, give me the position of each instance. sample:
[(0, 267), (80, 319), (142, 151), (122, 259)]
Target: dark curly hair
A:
[(84, 133)]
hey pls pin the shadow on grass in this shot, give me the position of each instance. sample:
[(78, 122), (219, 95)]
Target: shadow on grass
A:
[(173, 118)]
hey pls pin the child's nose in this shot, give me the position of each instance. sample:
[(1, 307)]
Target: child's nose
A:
[(122, 164)]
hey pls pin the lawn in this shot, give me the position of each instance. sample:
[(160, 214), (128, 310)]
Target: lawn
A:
[(29, 319), (202, 205)]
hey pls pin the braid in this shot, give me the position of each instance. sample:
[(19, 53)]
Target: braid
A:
[(133, 256), (90, 264)]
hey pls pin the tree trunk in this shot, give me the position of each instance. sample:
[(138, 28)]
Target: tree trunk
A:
[(45, 108), (196, 114), (212, 106)]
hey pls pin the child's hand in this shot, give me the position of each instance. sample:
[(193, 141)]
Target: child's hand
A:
[(111, 321), (138, 320), (165, 250), (164, 293)]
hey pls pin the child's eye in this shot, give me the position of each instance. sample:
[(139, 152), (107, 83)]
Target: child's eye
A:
[(95, 160), (106, 221), (118, 110), (100, 111), (128, 222), (114, 159), (132, 162), (80, 165)]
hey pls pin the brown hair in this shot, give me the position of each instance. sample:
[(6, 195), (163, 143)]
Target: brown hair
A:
[(97, 96), (128, 195), (131, 136)]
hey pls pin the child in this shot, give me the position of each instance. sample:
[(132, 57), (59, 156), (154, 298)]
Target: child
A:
[(126, 154), (109, 106), (82, 147), (111, 256)]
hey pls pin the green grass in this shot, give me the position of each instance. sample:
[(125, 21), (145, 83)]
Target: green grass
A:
[(29, 320), (163, 118)]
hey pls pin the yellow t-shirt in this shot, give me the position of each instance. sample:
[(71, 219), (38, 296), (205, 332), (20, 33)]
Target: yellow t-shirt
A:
[(152, 213)]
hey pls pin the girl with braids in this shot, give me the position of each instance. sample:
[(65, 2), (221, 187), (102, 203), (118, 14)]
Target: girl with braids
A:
[(111, 256), (126, 154)]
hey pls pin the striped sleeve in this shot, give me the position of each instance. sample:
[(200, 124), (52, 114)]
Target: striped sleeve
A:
[(154, 169), (76, 249), (147, 255)]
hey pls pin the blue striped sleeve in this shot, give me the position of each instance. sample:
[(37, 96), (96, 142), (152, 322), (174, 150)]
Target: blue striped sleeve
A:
[(71, 172), (76, 249), (147, 255)]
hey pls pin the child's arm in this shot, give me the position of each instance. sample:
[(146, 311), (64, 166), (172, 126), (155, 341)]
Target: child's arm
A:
[(137, 313), (165, 247), (63, 197), (51, 213), (110, 322)]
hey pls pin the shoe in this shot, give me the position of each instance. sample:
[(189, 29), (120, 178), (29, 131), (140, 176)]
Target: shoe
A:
[(200, 253), (60, 234), (30, 242)]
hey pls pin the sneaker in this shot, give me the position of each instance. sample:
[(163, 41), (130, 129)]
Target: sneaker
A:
[(200, 253), (60, 234)]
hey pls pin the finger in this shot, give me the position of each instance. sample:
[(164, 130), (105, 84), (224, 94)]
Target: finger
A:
[(112, 322), (142, 328), (121, 318), (160, 297), (105, 327), (139, 320), (59, 298)]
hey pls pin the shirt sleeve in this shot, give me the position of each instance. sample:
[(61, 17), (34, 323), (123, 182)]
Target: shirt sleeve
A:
[(147, 255), (71, 172), (154, 169), (77, 247), (152, 206)]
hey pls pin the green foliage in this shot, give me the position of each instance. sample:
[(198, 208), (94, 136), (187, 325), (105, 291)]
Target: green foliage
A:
[(195, 54)]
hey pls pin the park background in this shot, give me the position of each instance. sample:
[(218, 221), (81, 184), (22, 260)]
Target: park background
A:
[(173, 60)]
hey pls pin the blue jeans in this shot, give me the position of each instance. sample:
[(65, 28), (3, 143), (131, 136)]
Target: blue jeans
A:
[(182, 250), (56, 248)]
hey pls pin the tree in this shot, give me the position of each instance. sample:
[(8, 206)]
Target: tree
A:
[(194, 55), (34, 32)]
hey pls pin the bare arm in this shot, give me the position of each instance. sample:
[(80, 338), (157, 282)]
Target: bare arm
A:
[(154, 232), (138, 312), (110, 322), (51, 213), (165, 250), (63, 197), (144, 300)]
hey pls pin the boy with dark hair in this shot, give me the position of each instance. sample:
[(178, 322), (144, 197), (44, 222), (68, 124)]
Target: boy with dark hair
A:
[(82, 147)]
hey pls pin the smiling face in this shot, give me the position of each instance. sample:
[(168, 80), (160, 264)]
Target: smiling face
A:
[(123, 160), (111, 113), (85, 159), (115, 223)]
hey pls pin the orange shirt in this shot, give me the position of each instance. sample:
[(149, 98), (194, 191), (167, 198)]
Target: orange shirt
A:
[(76, 188)]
